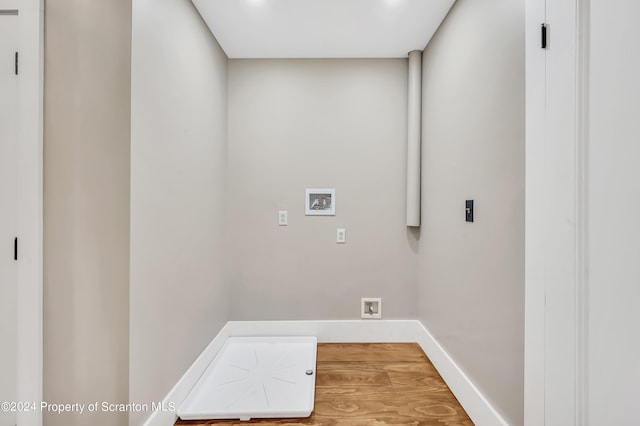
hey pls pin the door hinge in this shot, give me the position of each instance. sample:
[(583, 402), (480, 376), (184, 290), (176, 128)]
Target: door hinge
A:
[(15, 248), (16, 64), (543, 36)]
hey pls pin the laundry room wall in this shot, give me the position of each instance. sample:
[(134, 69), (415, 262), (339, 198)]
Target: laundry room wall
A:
[(471, 275), (317, 123), (179, 292)]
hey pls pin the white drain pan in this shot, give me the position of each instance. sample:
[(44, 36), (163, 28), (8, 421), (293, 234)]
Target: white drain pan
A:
[(256, 377)]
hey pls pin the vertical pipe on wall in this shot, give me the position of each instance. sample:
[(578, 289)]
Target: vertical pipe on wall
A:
[(414, 137)]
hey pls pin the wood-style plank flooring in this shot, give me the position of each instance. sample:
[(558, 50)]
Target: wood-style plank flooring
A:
[(373, 384)]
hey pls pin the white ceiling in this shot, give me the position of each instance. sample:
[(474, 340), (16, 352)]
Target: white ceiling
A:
[(322, 28)]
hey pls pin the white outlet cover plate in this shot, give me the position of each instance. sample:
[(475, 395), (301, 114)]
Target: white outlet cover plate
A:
[(283, 219), (341, 236)]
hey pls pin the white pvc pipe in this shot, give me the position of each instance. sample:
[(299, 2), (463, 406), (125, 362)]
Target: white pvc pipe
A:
[(414, 130)]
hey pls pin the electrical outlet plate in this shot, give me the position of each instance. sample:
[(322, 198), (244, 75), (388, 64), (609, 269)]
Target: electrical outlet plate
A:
[(282, 218), (371, 307), (341, 236)]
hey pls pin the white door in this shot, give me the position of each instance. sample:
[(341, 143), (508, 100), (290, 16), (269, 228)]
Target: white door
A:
[(8, 215), (583, 180), (554, 217)]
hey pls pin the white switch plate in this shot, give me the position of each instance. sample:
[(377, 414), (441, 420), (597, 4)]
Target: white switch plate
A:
[(282, 218), (341, 236)]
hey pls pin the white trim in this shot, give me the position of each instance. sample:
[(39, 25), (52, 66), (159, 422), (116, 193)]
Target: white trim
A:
[(472, 400), (556, 287), (181, 390), (30, 314), (582, 237), (384, 331), (534, 330), (355, 331)]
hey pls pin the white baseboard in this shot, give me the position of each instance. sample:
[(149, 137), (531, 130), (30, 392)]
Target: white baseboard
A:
[(382, 331), (330, 331), (181, 390), (472, 400)]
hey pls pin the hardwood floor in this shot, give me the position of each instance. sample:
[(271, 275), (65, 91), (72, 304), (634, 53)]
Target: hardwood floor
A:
[(373, 384)]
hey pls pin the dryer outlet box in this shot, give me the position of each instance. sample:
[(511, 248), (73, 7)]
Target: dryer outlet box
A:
[(371, 307)]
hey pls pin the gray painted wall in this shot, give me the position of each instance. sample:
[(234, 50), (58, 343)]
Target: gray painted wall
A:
[(471, 275), (318, 123), (86, 207), (179, 294)]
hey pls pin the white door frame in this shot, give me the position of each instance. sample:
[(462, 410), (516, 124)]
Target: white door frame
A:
[(556, 213), (541, 214), (30, 209)]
